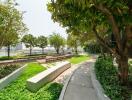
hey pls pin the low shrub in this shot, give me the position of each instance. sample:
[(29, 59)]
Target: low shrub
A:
[(107, 74), (7, 69), (6, 58), (92, 48)]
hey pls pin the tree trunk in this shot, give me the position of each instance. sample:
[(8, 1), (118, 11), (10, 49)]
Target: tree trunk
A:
[(42, 50), (8, 51), (123, 70), (30, 51), (76, 51), (57, 50)]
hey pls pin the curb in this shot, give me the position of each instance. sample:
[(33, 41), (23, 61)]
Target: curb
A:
[(61, 97), (11, 77), (97, 86)]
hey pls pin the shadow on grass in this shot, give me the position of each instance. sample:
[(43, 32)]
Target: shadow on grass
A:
[(54, 89)]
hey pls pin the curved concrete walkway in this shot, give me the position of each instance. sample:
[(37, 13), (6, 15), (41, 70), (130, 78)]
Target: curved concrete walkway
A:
[(80, 85)]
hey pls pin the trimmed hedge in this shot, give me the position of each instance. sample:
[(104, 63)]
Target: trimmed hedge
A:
[(107, 74)]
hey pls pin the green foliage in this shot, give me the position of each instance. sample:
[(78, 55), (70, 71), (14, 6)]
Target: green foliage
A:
[(6, 58), (11, 24), (17, 89), (42, 42), (93, 47), (7, 69), (29, 40), (107, 74), (73, 42), (98, 17), (78, 59), (56, 41)]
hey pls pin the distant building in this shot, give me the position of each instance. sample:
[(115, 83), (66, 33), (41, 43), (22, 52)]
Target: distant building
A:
[(19, 46)]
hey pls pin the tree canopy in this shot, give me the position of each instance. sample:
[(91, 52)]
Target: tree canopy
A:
[(73, 42), (56, 41), (29, 41), (42, 42), (11, 24), (104, 19)]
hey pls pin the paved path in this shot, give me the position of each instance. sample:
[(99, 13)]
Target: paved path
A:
[(80, 85), (62, 78)]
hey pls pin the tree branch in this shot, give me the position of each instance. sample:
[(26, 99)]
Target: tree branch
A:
[(104, 43), (113, 23)]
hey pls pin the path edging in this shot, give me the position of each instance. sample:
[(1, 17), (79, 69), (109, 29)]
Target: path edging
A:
[(97, 86), (61, 97)]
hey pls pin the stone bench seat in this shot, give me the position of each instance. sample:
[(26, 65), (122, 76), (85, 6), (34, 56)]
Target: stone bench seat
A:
[(36, 82)]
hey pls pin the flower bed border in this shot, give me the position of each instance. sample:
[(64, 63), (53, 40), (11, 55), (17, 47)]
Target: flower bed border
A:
[(11, 77)]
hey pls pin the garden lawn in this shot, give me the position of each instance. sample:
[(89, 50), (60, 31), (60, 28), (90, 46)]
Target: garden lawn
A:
[(78, 59), (17, 89)]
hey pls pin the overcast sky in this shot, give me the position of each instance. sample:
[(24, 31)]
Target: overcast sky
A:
[(38, 19)]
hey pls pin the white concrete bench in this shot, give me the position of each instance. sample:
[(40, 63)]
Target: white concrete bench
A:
[(36, 82)]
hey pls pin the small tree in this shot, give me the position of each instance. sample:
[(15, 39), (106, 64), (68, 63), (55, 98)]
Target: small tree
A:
[(42, 42), (11, 41), (73, 42), (29, 41), (56, 41)]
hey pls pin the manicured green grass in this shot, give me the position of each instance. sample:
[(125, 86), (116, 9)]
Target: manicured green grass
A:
[(78, 59), (17, 89)]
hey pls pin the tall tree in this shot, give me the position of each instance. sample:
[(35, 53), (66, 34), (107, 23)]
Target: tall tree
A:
[(103, 18), (56, 41), (29, 41), (11, 24), (42, 42)]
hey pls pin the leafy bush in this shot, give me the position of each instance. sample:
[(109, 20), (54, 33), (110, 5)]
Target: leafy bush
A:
[(92, 47), (6, 58), (7, 69), (108, 76)]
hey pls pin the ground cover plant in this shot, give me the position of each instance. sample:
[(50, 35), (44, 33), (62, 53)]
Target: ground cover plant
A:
[(7, 69), (78, 59), (6, 58), (107, 75), (17, 89)]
